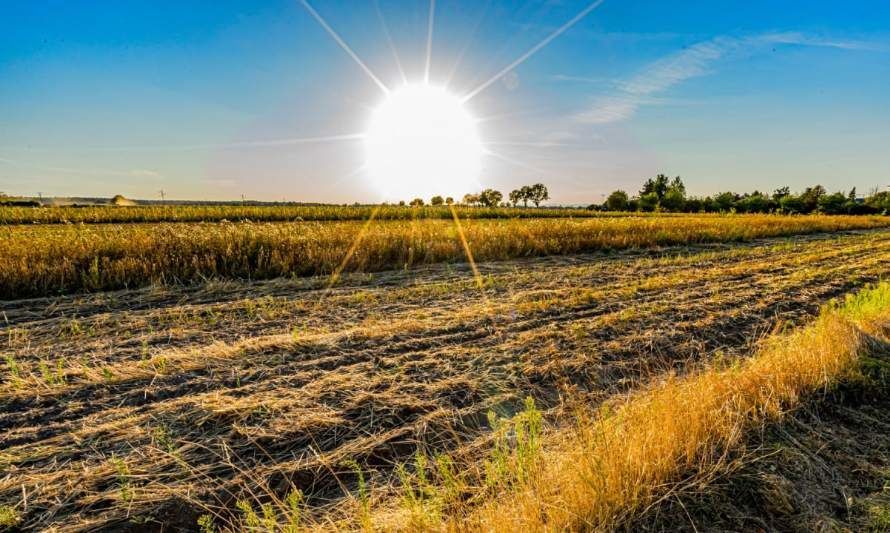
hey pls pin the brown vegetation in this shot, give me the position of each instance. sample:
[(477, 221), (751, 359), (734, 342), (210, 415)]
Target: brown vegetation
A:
[(165, 404), (45, 260)]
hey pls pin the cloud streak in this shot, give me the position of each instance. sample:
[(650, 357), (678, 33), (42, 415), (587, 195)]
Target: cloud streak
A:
[(695, 61)]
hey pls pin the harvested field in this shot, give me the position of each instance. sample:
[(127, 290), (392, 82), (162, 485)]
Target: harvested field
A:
[(136, 408)]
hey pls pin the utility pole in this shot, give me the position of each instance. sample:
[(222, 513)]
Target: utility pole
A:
[(163, 195), (242, 199)]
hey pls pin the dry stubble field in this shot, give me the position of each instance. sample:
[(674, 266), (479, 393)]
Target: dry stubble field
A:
[(133, 408)]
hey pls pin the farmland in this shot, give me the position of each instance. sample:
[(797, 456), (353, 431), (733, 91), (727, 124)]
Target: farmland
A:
[(218, 372), (281, 213), (53, 259)]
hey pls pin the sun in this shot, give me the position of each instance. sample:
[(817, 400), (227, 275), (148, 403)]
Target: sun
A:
[(422, 141)]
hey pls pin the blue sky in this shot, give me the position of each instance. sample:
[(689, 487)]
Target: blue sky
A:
[(215, 100)]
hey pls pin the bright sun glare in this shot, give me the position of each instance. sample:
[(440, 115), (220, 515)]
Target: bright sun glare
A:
[(422, 141)]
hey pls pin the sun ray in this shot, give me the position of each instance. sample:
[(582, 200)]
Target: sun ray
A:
[(344, 46), (335, 275), (527, 144), (513, 161), (466, 47), (349, 176), (469, 254), (429, 42), (390, 42), (533, 50), (288, 141)]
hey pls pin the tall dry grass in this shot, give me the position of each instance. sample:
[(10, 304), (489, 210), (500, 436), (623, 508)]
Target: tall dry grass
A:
[(269, 213), (41, 260), (601, 474)]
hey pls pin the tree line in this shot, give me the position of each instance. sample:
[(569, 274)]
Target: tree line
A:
[(535, 194), (669, 195)]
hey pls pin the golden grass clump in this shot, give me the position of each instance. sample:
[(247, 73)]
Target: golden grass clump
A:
[(44, 260)]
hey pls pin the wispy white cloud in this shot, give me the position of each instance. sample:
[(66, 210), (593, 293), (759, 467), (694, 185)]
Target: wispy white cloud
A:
[(694, 61), (101, 172)]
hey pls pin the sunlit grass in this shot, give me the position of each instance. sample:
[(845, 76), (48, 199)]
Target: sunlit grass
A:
[(282, 213), (49, 259), (600, 474)]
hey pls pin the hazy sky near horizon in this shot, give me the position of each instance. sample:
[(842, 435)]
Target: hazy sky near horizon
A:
[(212, 100)]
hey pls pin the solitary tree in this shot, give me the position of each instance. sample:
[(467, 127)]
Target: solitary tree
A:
[(471, 199), (436, 200), (417, 202), (449, 200)]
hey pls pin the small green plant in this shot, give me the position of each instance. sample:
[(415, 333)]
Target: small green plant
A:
[(270, 521), (9, 518), (123, 479), (205, 524), (159, 364), (15, 371), (294, 502), (73, 327), (54, 377), (422, 499), (364, 495), (248, 515), (163, 439), (528, 439), (517, 446)]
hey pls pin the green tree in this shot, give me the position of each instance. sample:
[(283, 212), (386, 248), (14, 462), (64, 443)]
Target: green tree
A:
[(833, 204), (677, 185), (879, 201), (449, 200), (725, 201), (674, 200), (538, 193), (780, 193), (754, 203), (791, 204), (490, 198), (437, 200), (516, 196), (417, 202), (648, 202), (617, 201), (471, 199), (810, 198)]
